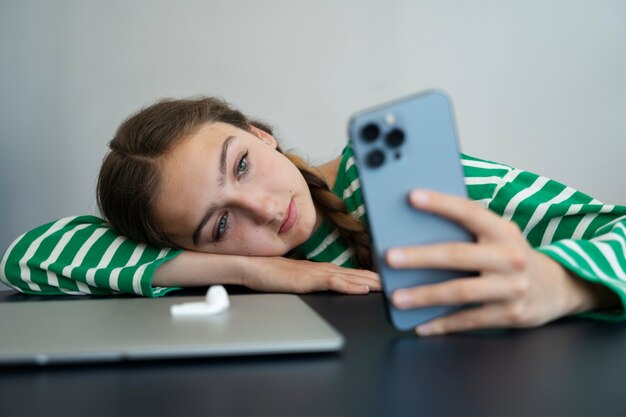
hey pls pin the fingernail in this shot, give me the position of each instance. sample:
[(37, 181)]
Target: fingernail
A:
[(396, 257), (401, 298), (419, 198), (424, 330)]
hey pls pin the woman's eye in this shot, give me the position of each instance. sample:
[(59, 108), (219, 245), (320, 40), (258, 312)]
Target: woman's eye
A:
[(222, 225), (243, 165)]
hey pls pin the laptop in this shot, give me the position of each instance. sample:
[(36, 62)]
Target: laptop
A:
[(114, 329)]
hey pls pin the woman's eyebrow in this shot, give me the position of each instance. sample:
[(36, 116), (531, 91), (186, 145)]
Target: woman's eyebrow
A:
[(222, 177), (221, 180)]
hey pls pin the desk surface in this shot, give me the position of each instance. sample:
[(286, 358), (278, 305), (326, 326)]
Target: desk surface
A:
[(570, 367)]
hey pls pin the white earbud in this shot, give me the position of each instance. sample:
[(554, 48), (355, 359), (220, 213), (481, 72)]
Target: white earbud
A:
[(217, 296), (216, 302)]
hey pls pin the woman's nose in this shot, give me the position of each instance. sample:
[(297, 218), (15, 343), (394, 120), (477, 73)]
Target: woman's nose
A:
[(260, 207)]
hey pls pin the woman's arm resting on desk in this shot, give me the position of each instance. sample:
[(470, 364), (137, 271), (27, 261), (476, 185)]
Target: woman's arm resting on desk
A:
[(83, 255)]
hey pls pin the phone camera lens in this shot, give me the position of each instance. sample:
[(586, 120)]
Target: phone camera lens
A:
[(394, 138), (375, 158), (370, 132)]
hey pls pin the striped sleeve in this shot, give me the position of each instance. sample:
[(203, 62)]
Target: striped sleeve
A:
[(81, 255), (581, 233)]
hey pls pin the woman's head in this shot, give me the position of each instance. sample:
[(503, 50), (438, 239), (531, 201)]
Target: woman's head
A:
[(200, 175)]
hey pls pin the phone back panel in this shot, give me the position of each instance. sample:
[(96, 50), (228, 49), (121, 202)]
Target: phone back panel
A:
[(428, 158)]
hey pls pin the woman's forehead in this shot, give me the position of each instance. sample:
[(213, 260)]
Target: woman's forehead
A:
[(213, 130), (200, 144)]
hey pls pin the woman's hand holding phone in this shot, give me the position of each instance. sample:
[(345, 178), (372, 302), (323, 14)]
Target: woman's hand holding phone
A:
[(516, 286)]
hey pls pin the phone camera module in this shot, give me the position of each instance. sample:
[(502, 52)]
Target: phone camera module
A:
[(394, 138), (370, 132), (375, 158)]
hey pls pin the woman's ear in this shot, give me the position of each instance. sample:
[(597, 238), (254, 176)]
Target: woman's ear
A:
[(264, 136)]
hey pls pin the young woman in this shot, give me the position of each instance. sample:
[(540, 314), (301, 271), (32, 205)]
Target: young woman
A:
[(195, 193)]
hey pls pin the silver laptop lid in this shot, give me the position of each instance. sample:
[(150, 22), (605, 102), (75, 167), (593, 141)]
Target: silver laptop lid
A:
[(139, 328)]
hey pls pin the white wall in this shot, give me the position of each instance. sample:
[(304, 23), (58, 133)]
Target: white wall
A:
[(538, 84)]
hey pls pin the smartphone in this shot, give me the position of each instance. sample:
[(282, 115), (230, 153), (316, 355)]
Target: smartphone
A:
[(399, 146)]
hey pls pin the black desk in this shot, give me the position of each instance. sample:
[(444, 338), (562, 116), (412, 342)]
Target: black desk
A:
[(570, 367)]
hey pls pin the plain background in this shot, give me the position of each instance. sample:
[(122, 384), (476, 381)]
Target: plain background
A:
[(537, 84)]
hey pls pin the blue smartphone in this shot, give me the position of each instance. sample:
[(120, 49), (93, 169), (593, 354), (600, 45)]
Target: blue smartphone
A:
[(399, 146)]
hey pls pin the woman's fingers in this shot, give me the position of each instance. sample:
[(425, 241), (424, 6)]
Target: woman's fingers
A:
[(460, 291), (354, 281), (473, 217), (347, 287), (280, 274), (459, 256), (490, 316), (326, 276)]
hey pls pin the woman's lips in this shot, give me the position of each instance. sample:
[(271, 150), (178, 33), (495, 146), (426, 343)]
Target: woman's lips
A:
[(290, 218)]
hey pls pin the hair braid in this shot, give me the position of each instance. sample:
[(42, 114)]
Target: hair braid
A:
[(350, 228)]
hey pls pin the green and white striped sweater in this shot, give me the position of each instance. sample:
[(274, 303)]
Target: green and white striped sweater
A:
[(82, 255)]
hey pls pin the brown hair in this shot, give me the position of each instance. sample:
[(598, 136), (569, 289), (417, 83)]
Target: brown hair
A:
[(130, 176)]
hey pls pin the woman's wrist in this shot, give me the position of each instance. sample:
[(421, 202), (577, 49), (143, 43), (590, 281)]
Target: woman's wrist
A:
[(595, 296), (190, 269), (579, 294), (253, 271)]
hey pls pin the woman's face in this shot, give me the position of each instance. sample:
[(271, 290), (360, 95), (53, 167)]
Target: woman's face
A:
[(227, 190)]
